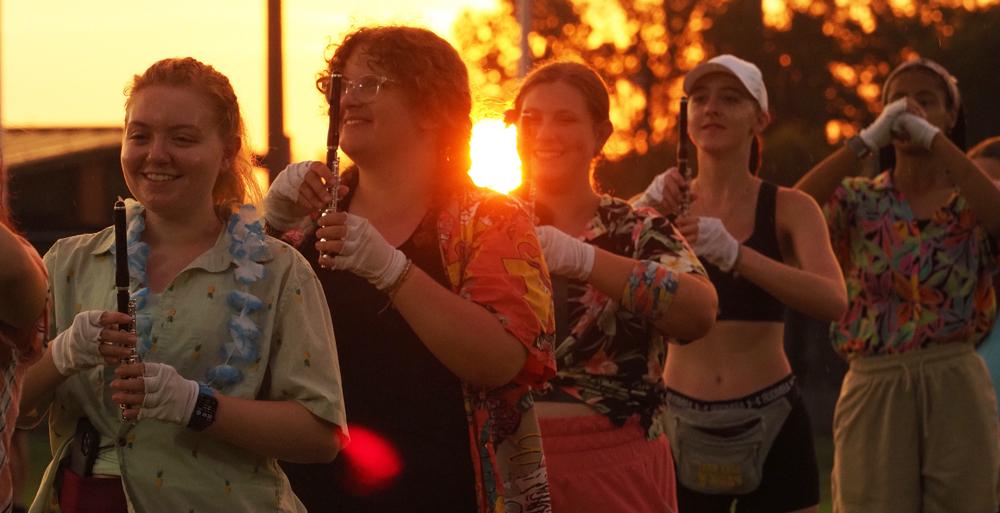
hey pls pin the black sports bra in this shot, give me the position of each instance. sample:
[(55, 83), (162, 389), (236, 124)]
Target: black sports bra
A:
[(740, 299)]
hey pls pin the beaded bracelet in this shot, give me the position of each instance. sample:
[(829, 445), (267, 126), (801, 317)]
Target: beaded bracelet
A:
[(398, 284)]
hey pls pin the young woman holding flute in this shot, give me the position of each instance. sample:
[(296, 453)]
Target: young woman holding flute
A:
[(238, 362), (737, 423), (915, 427), (624, 284)]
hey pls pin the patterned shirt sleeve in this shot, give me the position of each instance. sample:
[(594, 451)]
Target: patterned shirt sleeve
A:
[(303, 363), (658, 240), (505, 273), (839, 214)]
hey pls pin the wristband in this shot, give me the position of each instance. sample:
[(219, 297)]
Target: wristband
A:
[(650, 290)]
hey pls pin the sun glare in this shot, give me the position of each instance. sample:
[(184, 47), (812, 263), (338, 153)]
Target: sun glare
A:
[(493, 151)]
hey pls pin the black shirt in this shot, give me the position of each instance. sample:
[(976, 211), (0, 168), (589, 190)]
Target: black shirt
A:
[(396, 392)]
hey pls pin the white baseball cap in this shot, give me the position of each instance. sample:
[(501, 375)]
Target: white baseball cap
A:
[(746, 72)]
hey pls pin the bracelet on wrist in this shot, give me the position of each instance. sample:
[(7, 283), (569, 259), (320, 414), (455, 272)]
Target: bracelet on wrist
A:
[(398, 284)]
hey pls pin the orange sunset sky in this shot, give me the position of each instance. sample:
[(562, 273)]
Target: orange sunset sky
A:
[(66, 62)]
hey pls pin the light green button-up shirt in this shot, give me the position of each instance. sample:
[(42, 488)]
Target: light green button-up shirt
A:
[(166, 467)]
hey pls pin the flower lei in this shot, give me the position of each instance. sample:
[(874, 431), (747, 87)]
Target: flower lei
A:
[(248, 250)]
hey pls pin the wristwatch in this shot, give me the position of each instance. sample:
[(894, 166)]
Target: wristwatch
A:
[(857, 145), (204, 409)]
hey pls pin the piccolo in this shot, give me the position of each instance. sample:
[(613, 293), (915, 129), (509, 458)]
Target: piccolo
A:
[(682, 155), (126, 304), (333, 140)]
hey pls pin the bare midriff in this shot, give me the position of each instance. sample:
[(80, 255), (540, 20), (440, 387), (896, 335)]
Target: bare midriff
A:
[(735, 359)]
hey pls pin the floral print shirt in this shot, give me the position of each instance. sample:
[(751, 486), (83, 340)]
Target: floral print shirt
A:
[(167, 467), (493, 258), (911, 283), (23, 346), (612, 359)]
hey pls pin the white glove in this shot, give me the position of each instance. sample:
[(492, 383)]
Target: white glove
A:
[(281, 202), (78, 347), (653, 195), (169, 397), (367, 254), (917, 128), (665, 193), (715, 244), (879, 134), (566, 255)]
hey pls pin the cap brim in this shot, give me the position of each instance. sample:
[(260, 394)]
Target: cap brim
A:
[(703, 69)]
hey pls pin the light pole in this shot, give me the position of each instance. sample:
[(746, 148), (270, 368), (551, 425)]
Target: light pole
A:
[(278, 152), (524, 18)]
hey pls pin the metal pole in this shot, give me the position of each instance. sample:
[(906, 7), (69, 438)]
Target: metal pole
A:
[(524, 18), (278, 148)]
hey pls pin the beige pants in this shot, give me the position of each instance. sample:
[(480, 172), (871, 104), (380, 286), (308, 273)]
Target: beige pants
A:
[(917, 433)]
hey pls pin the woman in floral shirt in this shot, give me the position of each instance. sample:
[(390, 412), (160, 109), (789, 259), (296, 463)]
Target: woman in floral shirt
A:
[(624, 282), (23, 325), (437, 289), (915, 427)]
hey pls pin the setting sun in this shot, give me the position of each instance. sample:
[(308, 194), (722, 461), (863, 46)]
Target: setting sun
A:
[(493, 150)]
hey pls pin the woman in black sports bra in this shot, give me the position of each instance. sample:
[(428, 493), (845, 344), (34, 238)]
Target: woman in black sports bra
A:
[(737, 424)]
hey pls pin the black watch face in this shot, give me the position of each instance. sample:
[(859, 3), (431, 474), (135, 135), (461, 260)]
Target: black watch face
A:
[(204, 412)]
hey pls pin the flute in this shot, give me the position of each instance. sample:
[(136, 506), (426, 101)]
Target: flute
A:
[(333, 140), (682, 155), (126, 304)]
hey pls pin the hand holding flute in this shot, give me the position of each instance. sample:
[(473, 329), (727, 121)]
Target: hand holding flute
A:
[(670, 192), (126, 304), (309, 188)]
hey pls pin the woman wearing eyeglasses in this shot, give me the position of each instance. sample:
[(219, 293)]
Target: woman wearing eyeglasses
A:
[(437, 290)]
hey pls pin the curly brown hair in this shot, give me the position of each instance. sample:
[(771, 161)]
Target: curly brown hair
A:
[(432, 76), (235, 183)]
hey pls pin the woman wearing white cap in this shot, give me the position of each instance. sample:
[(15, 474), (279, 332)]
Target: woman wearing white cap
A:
[(915, 427), (736, 420)]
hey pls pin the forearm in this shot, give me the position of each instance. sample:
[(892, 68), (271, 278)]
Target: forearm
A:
[(815, 295), (285, 430), (40, 382), (464, 336), (973, 184), (825, 177), (689, 316), (22, 281)]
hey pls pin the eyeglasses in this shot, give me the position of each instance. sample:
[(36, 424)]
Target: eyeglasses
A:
[(366, 88)]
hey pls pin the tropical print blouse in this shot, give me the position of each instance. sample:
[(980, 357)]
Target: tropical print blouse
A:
[(911, 283), (612, 359), (492, 257), (24, 347)]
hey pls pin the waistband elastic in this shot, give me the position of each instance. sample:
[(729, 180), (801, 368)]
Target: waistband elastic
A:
[(911, 359), (758, 399)]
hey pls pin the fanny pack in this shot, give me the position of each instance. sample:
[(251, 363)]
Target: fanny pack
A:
[(723, 451)]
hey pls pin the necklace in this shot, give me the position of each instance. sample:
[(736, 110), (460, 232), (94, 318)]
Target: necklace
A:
[(248, 250)]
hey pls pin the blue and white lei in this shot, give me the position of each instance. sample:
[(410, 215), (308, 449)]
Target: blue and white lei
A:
[(248, 250)]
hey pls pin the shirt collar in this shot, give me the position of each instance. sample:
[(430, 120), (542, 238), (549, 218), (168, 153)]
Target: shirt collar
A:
[(216, 259)]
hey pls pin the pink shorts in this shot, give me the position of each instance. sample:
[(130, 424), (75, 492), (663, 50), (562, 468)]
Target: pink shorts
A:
[(596, 467)]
